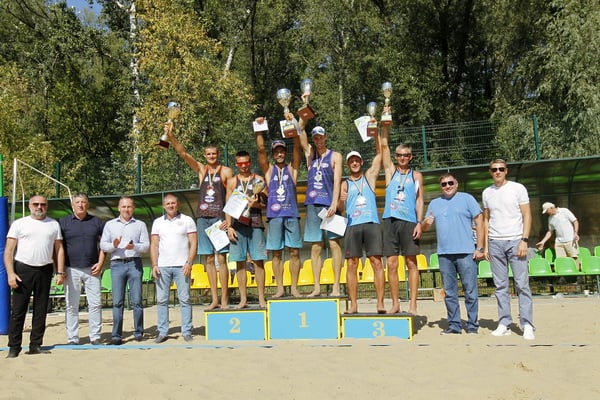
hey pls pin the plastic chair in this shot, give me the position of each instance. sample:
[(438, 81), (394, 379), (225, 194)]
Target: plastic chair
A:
[(591, 266), (566, 266), (434, 262), (549, 255), (422, 262), (287, 275), (344, 272), (306, 277), (368, 276), (146, 280), (540, 267), (269, 274), (327, 277), (484, 269), (401, 270), (106, 285), (584, 252), (597, 251)]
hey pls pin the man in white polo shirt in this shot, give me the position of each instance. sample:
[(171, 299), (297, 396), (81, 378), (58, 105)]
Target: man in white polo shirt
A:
[(173, 244), (565, 224)]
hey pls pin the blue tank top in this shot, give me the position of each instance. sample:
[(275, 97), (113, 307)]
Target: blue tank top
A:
[(361, 205), (319, 186), (401, 197), (282, 194)]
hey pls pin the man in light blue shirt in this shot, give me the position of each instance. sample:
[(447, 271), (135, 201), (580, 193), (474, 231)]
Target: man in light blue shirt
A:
[(126, 239), (455, 213)]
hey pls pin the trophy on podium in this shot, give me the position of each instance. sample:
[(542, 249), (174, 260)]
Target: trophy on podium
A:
[(257, 186), (372, 129), (306, 112), (173, 111), (288, 129), (386, 116)]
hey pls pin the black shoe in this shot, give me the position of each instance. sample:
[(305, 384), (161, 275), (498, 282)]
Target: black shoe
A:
[(450, 332), (116, 342), (13, 353), (36, 349), (471, 331), (160, 339), (139, 338)]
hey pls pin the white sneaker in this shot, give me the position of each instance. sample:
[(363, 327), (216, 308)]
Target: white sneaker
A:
[(528, 332), (501, 330)]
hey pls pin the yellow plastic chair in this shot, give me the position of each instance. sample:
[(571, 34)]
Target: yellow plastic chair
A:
[(401, 270), (199, 277), (344, 272), (269, 274), (327, 277), (368, 276), (287, 275), (422, 264), (306, 277)]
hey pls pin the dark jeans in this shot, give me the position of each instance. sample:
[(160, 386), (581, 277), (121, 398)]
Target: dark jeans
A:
[(35, 281)]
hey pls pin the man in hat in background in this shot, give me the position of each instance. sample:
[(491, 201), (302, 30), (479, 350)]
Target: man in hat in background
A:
[(565, 224)]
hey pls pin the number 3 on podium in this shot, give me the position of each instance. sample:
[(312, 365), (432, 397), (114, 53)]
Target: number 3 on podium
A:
[(379, 329)]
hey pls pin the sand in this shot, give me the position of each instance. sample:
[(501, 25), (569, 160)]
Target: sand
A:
[(562, 363)]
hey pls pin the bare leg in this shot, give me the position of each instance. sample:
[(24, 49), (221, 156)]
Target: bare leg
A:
[(413, 283), (211, 271), (295, 271), (352, 285), (379, 282), (242, 283), (315, 258), (278, 272), (392, 265), (259, 273), (224, 278), (337, 261)]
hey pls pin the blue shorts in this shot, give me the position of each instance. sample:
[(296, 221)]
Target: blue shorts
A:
[(284, 232), (205, 246), (249, 241), (312, 226)]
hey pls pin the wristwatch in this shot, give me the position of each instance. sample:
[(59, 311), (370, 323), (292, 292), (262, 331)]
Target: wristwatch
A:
[(481, 250), (526, 240)]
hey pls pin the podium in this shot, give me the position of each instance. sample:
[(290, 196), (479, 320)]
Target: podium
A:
[(304, 318), (244, 324), (371, 326)]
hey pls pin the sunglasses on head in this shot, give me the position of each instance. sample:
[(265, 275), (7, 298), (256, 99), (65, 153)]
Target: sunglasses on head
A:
[(501, 169), (449, 183)]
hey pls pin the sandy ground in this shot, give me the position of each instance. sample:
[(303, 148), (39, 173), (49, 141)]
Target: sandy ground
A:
[(562, 363)]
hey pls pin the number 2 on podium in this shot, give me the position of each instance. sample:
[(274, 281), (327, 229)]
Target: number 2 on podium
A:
[(303, 323), (235, 325)]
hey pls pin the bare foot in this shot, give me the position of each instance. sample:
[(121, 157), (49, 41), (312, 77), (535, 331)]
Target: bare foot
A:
[(314, 294), (351, 310), (334, 294), (278, 294), (212, 306), (241, 306), (412, 312), (296, 293), (224, 306), (393, 310), (262, 304)]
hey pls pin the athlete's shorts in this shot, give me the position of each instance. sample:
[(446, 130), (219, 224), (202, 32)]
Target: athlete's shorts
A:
[(363, 235), (398, 238), (249, 241), (312, 226), (205, 246), (284, 232)]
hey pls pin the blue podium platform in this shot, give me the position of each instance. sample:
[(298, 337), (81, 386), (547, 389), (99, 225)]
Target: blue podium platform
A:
[(371, 326), (244, 324), (309, 318)]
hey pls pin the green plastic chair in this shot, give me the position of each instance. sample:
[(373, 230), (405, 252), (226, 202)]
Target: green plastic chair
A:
[(597, 251), (147, 279), (549, 255), (484, 269), (566, 266), (591, 266), (584, 252), (434, 261), (106, 285), (540, 267)]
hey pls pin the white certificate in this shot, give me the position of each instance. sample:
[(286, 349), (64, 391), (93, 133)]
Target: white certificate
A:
[(236, 204), (218, 237), (336, 224), (361, 125), (260, 127)]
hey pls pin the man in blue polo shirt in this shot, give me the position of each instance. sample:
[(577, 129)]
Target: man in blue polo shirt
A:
[(83, 259)]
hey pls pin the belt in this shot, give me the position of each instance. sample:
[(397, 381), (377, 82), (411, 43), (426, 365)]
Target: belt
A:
[(125, 260)]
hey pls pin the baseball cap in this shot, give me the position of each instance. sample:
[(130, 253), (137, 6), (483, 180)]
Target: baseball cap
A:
[(352, 154), (277, 143), (546, 206), (318, 130)]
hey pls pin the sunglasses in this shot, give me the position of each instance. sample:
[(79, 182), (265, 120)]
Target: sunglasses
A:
[(501, 169), (243, 163), (449, 183), (39, 204), (405, 155)]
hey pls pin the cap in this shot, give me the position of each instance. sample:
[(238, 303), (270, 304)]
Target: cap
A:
[(546, 206), (352, 154), (318, 130), (277, 143)]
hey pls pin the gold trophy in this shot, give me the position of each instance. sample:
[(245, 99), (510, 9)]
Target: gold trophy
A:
[(372, 129), (287, 126), (257, 186), (173, 111), (386, 116), (306, 112)]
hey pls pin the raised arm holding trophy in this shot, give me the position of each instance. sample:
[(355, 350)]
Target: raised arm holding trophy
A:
[(288, 128), (306, 112), (173, 111)]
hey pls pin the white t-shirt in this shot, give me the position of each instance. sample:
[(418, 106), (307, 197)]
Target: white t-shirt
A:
[(173, 244), (503, 203), (35, 240), (562, 223)]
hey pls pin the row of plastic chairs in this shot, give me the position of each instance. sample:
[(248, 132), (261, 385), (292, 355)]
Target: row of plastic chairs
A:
[(563, 266), (584, 252)]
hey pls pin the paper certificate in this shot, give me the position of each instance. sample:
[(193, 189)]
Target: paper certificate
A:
[(260, 127), (361, 125), (236, 204), (336, 224), (218, 238)]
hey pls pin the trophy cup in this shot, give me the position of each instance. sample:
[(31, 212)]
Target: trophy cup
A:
[(372, 125), (173, 111), (306, 112), (287, 126), (257, 186), (386, 116)]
